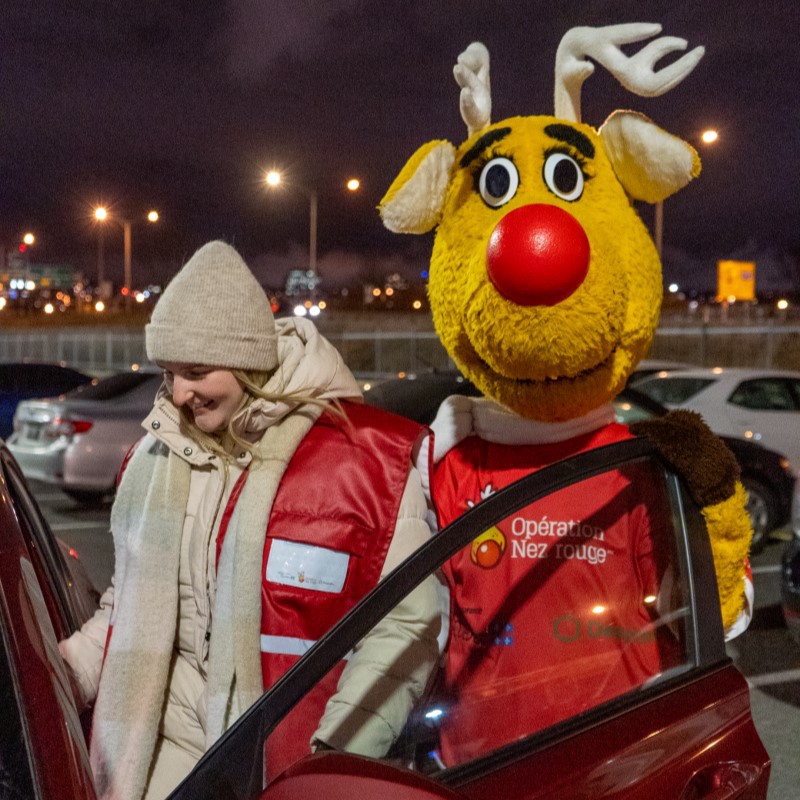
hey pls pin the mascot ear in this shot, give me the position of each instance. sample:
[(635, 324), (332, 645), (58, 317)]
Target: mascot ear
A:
[(650, 163), (414, 201)]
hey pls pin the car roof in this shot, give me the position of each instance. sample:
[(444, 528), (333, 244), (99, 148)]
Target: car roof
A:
[(718, 372)]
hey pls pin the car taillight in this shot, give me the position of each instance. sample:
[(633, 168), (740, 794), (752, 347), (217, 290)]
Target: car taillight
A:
[(62, 426)]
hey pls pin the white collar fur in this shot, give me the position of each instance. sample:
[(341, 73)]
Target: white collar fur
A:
[(460, 416)]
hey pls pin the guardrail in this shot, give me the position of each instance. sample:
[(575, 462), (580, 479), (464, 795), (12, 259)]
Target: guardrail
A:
[(380, 353)]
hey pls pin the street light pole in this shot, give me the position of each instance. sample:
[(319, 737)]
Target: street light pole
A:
[(126, 239), (273, 179), (101, 214), (312, 224)]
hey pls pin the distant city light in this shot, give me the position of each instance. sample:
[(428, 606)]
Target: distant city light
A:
[(29, 239), (424, 274), (353, 184), (300, 311), (389, 291), (101, 213), (673, 287), (29, 285), (140, 298), (322, 304), (152, 216), (376, 292), (314, 311), (710, 136), (417, 305), (783, 304), (99, 306), (48, 309), (2, 303), (273, 178)]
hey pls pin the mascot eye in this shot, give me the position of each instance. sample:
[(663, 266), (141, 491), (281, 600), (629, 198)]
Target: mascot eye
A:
[(498, 182), (563, 176)]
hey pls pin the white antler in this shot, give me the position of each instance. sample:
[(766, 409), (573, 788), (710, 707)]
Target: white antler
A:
[(472, 74), (636, 73)]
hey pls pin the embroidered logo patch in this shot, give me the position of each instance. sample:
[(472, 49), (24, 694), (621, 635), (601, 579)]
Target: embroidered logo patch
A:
[(316, 568)]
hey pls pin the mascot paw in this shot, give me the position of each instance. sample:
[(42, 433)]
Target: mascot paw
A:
[(702, 459)]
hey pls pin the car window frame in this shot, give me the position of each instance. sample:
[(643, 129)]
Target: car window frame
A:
[(236, 771), (43, 547)]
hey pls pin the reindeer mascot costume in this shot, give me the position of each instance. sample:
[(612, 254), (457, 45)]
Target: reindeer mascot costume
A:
[(545, 289)]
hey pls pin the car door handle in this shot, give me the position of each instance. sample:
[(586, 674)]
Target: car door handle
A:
[(721, 781)]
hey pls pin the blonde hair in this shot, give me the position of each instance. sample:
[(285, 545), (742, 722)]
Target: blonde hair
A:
[(252, 382)]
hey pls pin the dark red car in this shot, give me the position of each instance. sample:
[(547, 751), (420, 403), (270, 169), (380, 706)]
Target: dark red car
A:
[(683, 732)]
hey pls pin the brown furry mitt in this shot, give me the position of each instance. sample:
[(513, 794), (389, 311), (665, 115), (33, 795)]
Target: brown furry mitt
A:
[(700, 457)]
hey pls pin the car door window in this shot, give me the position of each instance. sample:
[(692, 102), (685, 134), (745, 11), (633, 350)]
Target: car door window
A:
[(48, 563), (598, 613), (765, 394), (673, 391)]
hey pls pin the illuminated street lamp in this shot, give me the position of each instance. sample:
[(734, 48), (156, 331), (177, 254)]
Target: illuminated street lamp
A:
[(709, 136), (274, 179), (101, 214), (28, 239)]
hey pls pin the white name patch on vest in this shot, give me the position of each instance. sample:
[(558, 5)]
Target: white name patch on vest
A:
[(316, 568)]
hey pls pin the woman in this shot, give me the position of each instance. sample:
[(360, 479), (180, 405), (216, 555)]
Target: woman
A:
[(263, 502)]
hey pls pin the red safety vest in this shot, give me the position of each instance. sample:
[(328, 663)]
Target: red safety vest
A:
[(548, 611), (328, 534)]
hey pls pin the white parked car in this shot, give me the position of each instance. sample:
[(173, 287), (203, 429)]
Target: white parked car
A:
[(79, 440), (761, 405)]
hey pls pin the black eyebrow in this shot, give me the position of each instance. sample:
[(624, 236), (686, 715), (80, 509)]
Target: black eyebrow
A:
[(488, 138), (568, 135)]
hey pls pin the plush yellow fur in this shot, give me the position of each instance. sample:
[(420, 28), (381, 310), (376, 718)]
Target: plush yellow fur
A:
[(730, 532), (545, 362)]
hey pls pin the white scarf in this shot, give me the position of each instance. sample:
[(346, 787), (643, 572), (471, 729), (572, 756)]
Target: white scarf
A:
[(147, 537)]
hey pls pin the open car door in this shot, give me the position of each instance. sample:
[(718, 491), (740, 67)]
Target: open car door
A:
[(608, 687)]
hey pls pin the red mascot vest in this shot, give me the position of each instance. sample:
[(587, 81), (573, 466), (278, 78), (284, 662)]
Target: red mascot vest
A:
[(328, 534), (548, 614)]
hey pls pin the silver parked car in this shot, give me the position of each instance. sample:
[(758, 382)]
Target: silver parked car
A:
[(79, 440)]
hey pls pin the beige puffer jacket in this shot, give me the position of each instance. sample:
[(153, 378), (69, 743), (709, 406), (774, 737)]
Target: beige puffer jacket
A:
[(182, 732)]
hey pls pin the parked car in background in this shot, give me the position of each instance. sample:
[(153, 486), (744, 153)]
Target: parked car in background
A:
[(21, 380), (768, 476), (44, 596), (78, 441), (790, 571), (760, 405), (652, 366)]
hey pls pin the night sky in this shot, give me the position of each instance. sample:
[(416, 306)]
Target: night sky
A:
[(182, 106)]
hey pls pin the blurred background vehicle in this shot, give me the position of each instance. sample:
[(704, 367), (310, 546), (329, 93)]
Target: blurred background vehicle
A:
[(760, 405), (790, 571), (21, 380), (767, 475), (78, 441), (650, 366)]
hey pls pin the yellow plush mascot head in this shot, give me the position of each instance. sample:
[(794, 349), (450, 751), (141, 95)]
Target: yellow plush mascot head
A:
[(545, 286)]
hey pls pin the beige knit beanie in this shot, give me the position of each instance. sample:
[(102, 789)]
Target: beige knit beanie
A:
[(214, 312)]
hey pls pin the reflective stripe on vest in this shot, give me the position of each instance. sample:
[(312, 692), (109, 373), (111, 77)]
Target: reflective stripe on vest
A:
[(289, 645)]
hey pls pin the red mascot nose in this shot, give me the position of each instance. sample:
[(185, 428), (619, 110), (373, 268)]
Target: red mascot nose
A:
[(537, 255)]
